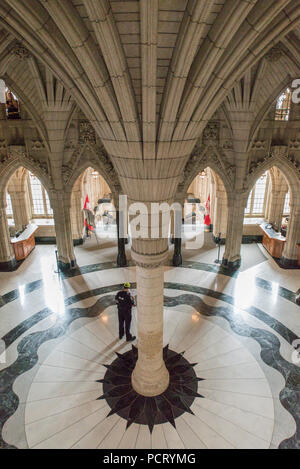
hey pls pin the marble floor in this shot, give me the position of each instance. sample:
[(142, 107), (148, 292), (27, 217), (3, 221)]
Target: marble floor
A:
[(236, 330)]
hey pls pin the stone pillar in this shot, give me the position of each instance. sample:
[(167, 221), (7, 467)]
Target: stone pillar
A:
[(20, 209), (276, 209), (121, 259), (290, 252), (7, 257), (150, 376), (77, 217), (60, 203), (234, 233), (177, 256), (220, 215), (2, 111), (177, 232)]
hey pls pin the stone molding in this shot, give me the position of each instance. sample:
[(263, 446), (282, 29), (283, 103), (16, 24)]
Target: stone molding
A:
[(149, 261)]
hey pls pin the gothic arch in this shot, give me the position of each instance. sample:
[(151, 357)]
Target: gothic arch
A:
[(203, 157), (8, 168), (279, 158), (267, 107)]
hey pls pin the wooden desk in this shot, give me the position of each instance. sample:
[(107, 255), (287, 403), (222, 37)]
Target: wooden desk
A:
[(272, 241), (25, 243)]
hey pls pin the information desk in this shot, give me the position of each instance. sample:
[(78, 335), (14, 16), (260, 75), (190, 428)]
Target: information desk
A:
[(25, 243), (272, 241)]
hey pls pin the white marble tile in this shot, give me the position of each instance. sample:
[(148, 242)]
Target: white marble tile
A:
[(41, 430)]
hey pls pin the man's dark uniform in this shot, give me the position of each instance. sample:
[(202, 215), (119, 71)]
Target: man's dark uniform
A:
[(125, 302)]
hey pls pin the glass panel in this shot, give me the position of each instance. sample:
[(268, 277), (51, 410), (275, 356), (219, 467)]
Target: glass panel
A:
[(37, 195), (283, 106), (286, 208), (259, 195), (247, 209), (9, 210), (49, 209)]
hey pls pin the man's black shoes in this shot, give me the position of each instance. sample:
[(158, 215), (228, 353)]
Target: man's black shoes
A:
[(131, 339)]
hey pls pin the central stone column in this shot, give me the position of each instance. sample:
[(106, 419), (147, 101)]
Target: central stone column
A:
[(150, 376)]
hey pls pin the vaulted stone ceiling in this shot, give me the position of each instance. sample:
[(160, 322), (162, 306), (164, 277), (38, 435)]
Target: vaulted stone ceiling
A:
[(150, 74)]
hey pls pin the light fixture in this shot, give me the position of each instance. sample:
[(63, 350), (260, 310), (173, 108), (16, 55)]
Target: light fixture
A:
[(203, 174), (95, 174)]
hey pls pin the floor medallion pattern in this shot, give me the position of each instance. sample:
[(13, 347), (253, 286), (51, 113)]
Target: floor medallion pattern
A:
[(128, 404)]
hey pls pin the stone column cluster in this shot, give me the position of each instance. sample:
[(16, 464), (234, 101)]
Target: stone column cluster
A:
[(20, 208), (234, 234), (77, 217), (7, 257), (278, 192), (220, 213), (60, 203), (290, 252)]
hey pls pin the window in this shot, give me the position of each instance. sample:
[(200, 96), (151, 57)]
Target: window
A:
[(40, 198), (283, 106), (9, 209), (286, 208), (248, 208), (257, 197), (12, 105)]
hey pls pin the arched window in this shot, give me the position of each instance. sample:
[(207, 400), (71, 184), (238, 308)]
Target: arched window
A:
[(283, 106), (9, 209), (257, 198), (286, 208), (40, 199), (12, 105)]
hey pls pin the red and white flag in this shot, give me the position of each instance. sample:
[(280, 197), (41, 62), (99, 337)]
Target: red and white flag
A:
[(207, 220), (87, 204)]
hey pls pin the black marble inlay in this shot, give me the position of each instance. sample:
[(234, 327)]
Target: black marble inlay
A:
[(134, 408), (9, 266)]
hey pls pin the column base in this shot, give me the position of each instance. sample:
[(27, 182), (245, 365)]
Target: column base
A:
[(150, 385), (66, 266), (121, 260), (177, 260), (9, 266), (222, 240), (77, 242), (231, 264), (288, 263)]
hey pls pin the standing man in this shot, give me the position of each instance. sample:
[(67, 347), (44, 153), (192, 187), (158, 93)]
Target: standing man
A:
[(125, 301)]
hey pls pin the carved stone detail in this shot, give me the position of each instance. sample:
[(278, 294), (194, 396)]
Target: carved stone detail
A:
[(87, 133), (37, 145), (21, 52), (227, 145), (275, 53), (211, 133), (258, 145)]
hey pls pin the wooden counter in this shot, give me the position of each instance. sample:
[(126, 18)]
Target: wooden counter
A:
[(272, 241), (298, 244), (25, 243)]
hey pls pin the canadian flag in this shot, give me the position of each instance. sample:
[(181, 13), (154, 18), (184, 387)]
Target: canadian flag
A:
[(87, 204), (207, 220)]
